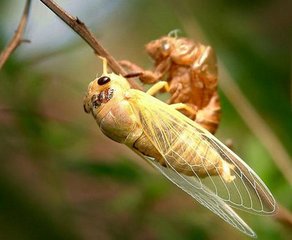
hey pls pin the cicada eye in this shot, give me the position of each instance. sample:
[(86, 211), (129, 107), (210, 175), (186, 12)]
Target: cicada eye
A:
[(165, 46), (103, 80)]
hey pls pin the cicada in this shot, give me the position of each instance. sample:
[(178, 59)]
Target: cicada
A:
[(179, 148), (190, 68)]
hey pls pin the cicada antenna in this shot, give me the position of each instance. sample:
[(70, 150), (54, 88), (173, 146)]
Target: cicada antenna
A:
[(174, 33), (104, 66)]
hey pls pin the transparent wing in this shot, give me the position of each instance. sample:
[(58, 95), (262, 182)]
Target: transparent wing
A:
[(215, 204), (179, 140)]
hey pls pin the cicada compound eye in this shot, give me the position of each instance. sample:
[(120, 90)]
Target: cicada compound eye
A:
[(103, 80), (165, 48)]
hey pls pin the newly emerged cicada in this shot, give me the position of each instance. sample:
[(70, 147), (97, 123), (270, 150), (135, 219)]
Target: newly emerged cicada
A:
[(182, 150), (190, 68)]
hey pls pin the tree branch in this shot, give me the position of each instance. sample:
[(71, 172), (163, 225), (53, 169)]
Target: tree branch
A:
[(17, 38), (80, 28)]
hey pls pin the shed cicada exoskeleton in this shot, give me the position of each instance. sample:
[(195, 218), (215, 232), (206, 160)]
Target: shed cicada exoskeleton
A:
[(190, 68)]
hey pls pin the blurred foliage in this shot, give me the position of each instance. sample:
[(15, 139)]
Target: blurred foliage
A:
[(61, 179)]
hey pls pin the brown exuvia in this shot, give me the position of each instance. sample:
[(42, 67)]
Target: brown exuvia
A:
[(190, 68)]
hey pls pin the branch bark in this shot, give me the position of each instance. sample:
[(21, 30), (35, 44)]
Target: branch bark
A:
[(81, 29), (17, 38)]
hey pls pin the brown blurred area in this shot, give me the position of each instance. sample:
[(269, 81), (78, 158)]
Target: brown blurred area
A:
[(60, 178)]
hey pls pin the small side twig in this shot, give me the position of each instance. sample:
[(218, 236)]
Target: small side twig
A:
[(284, 216), (17, 38), (80, 28)]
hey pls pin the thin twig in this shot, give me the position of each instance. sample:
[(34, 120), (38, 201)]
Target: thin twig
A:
[(17, 38), (284, 216), (80, 28)]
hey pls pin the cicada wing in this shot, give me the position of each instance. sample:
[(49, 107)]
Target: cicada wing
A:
[(179, 140), (249, 193), (207, 198)]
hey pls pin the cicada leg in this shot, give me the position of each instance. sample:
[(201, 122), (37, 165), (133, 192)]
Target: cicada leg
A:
[(158, 87), (132, 67), (191, 110), (229, 143), (147, 76), (144, 76)]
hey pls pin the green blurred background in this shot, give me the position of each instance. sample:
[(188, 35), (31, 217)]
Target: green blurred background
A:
[(60, 178)]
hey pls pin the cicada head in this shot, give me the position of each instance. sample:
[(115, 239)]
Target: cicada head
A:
[(161, 48), (102, 90)]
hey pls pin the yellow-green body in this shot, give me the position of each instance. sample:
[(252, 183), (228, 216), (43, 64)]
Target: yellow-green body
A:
[(119, 120)]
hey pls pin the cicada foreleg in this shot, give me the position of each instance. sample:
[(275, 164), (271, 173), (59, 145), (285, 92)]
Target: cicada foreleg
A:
[(146, 76), (190, 109), (136, 71), (131, 67)]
